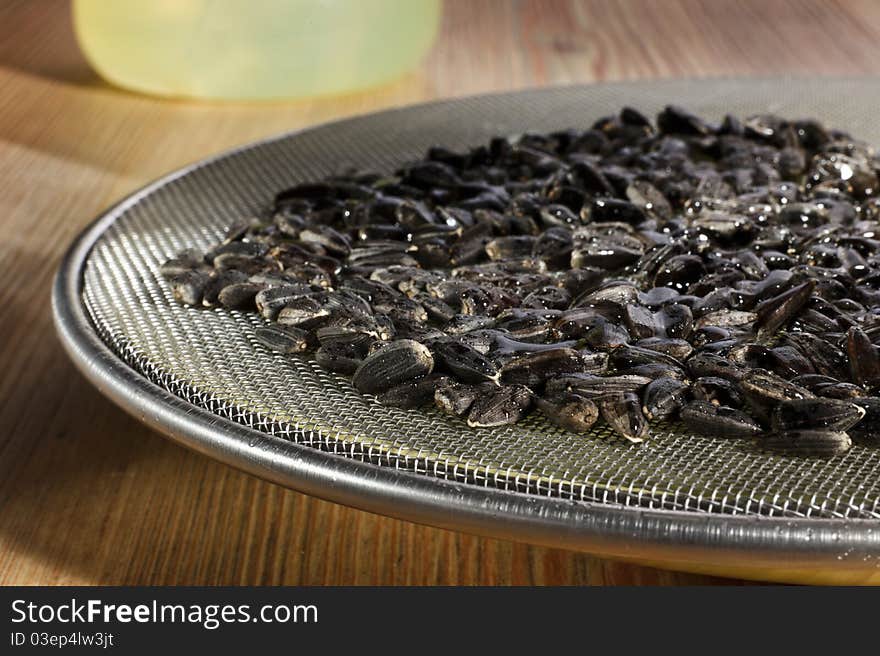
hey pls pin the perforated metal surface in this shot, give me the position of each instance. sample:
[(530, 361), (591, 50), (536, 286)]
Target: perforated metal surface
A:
[(209, 357)]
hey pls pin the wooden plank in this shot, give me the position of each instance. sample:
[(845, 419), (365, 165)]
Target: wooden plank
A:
[(88, 495)]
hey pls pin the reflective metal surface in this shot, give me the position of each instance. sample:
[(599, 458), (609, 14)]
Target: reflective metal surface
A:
[(682, 501)]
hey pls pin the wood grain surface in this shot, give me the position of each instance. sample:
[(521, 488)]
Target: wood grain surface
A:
[(90, 496)]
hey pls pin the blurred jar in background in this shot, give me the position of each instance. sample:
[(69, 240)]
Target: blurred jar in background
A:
[(253, 50)]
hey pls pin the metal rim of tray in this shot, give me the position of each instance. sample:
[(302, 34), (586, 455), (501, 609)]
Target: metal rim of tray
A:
[(804, 549)]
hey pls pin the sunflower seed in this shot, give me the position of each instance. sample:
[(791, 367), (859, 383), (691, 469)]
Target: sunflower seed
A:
[(189, 286), (216, 283), (532, 369), (305, 312), (339, 358), (270, 301), (840, 391), (815, 414), (285, 339), (776, 312), (732, 264), (718, 421), (184, 262), (717, 391), (455, 398), (594, 387), (864, 364), (240, 296), (468, 364), (572, 413), (763, 391), (663, 397), (807, 442), (623, 413), (504, 405), (395, 363)]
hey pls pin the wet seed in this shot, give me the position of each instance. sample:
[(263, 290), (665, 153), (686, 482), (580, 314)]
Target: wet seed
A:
[(726, 318), (663, 397), (504, 405), (395, 363), (595, 387), (807, 442), (465, 362), (623, 414), (285, 339), (716, 391), (679, 349), (776, 312), (655, 370), (718, 421), (788, 362), (532, 369), (413, 393), (864, 364), (708, 364), (763, 391), (676, 320), (189, 286), (455, 398), (240, 296), (840, 391), (633, 356), (815, 414), (640, 322), (868, 428), (572, 413), (824, 356), (465, 323)]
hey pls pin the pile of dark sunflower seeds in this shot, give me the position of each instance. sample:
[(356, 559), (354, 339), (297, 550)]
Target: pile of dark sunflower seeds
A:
[(724, 275)]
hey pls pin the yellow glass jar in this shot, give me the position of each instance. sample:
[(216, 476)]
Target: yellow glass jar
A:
[(253, 50)]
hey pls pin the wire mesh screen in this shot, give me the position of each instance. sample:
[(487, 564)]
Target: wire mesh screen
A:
[(211, 359)]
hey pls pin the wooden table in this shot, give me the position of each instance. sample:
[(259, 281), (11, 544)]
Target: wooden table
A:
[(90, 496)]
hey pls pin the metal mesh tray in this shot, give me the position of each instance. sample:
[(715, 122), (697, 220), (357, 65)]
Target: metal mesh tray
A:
[(267, 412)]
